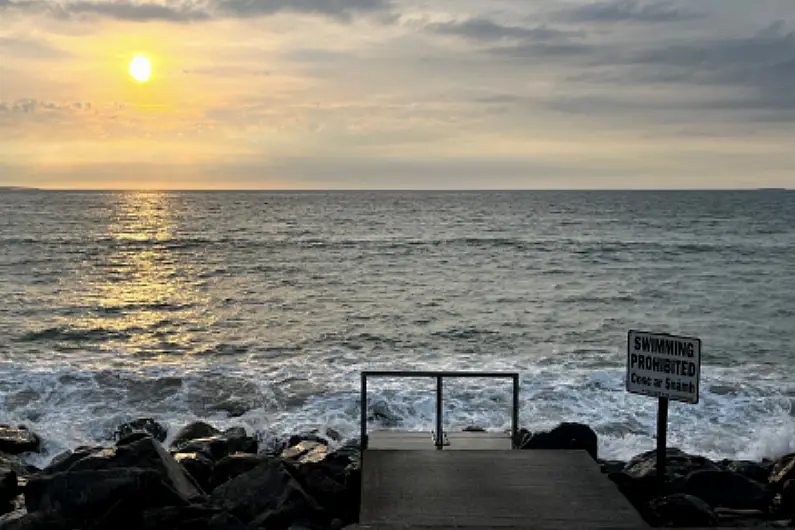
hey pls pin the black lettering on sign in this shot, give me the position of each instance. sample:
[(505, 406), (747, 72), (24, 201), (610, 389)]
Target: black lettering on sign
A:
[(665, 346), (633, 360), (657, 382)]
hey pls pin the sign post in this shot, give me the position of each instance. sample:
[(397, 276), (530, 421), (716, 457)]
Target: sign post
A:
[(666, 367)]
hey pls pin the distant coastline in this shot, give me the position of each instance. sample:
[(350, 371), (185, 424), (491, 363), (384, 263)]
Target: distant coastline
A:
[(17, 188)]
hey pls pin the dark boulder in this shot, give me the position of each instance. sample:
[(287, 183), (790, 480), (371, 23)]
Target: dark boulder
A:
[(640, 491), (334, 481), (474, 428), (133, 437), (306, 451), (268, 491), (18, 440), (307, 437), (323, 436), (89, 495), (612, 466), (67, 459), (726, 489), (753, 470), (216, 447), (143, 454), (232, 466), (565, 436), (193, 517), (381, 414), (678, 464), (785, 501), (9, 486), (680, 510), (783, 471), (192, 431), (142, 425), (198, 466), (38, 521)]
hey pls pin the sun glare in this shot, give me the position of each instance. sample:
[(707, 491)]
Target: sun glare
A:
[(140, 68)]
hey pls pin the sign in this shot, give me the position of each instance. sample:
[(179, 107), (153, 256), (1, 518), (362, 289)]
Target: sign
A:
[(664, 366)]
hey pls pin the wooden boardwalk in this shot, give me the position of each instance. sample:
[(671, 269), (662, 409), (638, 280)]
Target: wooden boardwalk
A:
[(486, 488)]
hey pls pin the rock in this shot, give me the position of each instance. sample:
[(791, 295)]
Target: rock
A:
[(727, 489), (37, 521), (306, 437), (267, 493), (753, 470), (333, 481), (680, 510), (18, 440), (232, 466), (640, 491), (86, 495), (67, 459), (785, 505), (144, 454), (522, 437), (193, 517), (192, 431), (234, 408), (9, 489), (217, 447), (142, 425), (565, 436), (214, 448), (744, 518), (306, 451), (783, 471), (198, 466), (235, 432), (383, 415), (473, 428), (612, 466), (133, 437), (678, 464)]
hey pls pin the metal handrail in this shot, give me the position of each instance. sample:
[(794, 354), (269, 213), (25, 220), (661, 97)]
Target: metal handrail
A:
[(439, 376)]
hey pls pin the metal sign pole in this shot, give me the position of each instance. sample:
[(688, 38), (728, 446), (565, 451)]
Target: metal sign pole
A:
[(662, 435)]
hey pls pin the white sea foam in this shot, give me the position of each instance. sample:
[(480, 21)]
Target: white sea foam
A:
[(738, 416)]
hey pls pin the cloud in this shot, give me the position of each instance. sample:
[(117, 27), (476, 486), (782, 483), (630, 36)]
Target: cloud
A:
[(544, 51), (762, 65), (487, 30), (190, 11), (32, 106), (29, 49), (340, 9), (628, 11)]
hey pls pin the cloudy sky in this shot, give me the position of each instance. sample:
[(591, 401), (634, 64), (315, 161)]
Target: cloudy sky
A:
[(398, 94)]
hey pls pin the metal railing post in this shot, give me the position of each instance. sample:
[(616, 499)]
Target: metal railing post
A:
[(363, 424), (515, 412), (439, 437)]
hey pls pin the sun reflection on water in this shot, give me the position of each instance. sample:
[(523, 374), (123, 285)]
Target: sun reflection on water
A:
[(143, 291)]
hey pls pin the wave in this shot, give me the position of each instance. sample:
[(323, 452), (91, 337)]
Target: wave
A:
[(77, 405), (64, 334)]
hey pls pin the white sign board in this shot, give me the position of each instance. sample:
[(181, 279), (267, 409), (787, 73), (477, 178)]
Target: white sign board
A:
[(663, 365)]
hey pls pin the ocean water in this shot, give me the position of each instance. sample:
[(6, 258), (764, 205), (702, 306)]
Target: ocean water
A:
[(260, 309)]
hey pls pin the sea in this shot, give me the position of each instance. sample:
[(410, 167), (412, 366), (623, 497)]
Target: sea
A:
[(260, 309)]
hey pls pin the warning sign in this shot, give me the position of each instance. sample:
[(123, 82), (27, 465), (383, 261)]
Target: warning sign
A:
[(663, 365)]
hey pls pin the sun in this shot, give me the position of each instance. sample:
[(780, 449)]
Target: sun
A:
[(140, 68)]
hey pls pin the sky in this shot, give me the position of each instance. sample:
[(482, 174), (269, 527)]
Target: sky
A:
[(398, 94)]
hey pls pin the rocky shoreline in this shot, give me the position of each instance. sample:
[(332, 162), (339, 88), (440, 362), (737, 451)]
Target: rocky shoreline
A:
[(207, 479)]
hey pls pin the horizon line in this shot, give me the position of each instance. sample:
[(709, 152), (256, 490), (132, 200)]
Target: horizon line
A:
[(391, 190)]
